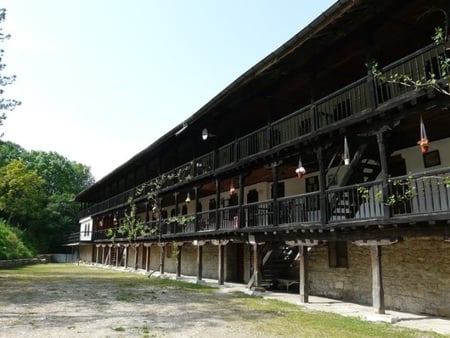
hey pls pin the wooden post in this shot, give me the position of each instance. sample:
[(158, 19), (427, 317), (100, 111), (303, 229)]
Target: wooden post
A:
[(322, 182), (221, 270), (125, 257), (97, 253), (217, 203), (199, 262), (147, 260), (377, 279), (109, 255), (241, 222), (197, 198), (304, 285), (136, 251), (179, 247), (162, 253), (275, 220), (384, 172), (256, 266), (103, 255)]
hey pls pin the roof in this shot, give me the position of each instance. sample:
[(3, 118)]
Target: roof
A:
[(315, 28)]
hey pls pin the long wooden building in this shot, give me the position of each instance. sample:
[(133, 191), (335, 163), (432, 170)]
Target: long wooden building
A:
[(304, 172)]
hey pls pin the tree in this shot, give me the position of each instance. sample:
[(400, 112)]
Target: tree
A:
[(21, 192), (5, 103), (61, 175)]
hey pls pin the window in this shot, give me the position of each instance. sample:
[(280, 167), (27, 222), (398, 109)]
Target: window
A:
[(337, 254)]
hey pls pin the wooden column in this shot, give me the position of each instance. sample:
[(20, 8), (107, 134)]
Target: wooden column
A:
[(136, 251), (199, 245), (179, 247), (196, 208), (377, 279), (241, 222), (304, 284), (97, 253), (221, 268), (221, 259), (147, 260), (162, 253), (217, 203), (256, 266), (125, 257), (274, 195), (109, 255), (322, 182), (103, 255), (384, 172)]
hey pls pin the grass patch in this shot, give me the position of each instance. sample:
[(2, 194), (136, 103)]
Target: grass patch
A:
[(276, 318)]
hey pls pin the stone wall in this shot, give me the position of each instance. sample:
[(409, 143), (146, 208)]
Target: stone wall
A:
[(416, 275)]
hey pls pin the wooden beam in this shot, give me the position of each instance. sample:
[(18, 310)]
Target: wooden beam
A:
[(179, 247), (162, 254), (199, 262), (256, 266), (147, 260), (221, 269), (377, 279), (303, 267)]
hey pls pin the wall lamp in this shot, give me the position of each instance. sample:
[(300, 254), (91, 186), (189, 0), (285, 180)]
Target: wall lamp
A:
[(206, 134)]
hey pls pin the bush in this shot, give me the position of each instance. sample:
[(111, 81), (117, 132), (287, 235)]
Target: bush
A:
[(11, 244)]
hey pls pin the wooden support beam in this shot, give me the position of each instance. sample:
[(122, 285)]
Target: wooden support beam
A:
[(256, 266), (179, 248), (221, 269), (199, 262), (147, 260), (136, 252), (377, 279), (303, 267), (125, 257), (162, 254)]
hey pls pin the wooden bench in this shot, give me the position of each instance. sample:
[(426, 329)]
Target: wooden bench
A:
[(286, 282)]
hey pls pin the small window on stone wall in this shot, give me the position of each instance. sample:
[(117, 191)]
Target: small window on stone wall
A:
[(337, 254)]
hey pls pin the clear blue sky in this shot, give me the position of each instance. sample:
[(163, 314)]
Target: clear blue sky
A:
[(100, 80)]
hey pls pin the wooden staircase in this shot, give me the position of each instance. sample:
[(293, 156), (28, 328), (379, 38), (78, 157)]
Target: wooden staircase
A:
[(364, 167)]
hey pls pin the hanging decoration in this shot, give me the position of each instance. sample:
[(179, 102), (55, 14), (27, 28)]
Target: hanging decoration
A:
[(300, 170), (232, 188), (346, 152), (423, 142), (188, 198)]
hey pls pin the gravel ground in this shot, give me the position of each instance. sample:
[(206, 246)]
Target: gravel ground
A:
[(74, 307)]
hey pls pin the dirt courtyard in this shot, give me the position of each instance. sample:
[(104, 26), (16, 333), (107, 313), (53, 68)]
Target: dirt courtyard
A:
[(75, 305), (69, 300)]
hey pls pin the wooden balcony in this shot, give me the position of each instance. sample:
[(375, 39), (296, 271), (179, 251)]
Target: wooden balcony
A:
[(359, 99), (421, 197)]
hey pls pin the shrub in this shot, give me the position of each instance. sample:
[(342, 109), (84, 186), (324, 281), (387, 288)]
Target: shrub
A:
[(11, 244)]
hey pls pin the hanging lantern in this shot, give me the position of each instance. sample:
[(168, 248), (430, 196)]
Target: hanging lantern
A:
[(423, 142), (300, 170), (188, 198), (232, 188), (346, 152)]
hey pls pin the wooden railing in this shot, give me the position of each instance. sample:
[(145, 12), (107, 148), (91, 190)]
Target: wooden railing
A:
[(359, 97), (426, 193)]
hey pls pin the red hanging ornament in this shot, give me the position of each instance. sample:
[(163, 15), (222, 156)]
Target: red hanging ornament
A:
[(300, 170)]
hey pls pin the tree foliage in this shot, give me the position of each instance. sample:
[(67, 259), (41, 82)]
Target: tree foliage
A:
[(11, 243), (48, 215), (6, 104), (21, 192)]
